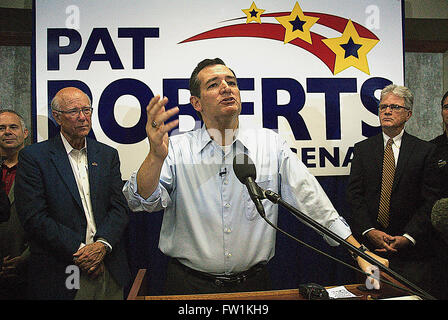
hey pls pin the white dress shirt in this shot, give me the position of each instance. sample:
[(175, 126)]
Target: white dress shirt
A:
[(80, 168)]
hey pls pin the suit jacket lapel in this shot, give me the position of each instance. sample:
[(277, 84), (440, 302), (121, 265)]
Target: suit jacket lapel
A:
[(11, 193), (94, 167), (406, 149), (378, 154), (62, 164)]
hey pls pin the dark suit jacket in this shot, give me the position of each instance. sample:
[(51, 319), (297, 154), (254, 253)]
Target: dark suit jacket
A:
[(51, 212), (4, 204), (13, 243), (441, 157), (12, 236), (414, 190)]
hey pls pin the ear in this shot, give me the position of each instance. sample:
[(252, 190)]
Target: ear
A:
[(409, 115), (25, 133), (56, 116), (196, 103)]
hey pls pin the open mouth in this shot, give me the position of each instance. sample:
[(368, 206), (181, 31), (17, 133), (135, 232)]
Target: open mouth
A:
[(229, 100)]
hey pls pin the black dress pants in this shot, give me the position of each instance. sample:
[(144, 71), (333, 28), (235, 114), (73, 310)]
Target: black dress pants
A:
[(182, 280)]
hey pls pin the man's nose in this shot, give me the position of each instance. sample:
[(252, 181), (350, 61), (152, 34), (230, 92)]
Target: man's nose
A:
[(388, 110), (81, 116), (225, 86)]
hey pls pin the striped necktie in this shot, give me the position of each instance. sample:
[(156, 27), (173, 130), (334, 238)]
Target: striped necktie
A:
[(386, 184)]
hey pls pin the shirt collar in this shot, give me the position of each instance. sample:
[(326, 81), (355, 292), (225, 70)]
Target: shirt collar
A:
[(205, 138), (4, 166), (397, 139), (68, 147), (241, 136)]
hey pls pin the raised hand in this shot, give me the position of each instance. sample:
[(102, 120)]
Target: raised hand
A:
[(156, 128), (157, 131)]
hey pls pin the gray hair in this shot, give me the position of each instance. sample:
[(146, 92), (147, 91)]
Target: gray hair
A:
[(22, 121), (399, 91)]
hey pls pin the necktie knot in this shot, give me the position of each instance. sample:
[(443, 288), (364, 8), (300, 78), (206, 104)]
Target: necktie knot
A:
[(390, 142)]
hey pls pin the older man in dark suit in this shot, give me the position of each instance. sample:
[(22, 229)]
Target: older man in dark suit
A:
[(392, 188), (72, 208)]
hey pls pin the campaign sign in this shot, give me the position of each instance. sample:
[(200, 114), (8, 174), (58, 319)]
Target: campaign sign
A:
[(310, 70)]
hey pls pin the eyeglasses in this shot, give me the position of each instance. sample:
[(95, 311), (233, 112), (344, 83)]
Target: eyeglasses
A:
[(393, 107), (87, 111)]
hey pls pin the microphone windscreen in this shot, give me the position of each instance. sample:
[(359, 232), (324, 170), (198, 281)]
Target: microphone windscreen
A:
[(244, 167), (439, 217)]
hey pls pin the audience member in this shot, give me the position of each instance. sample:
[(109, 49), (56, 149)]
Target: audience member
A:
[(439, 216), (72, 208), (392, 188), (14, 250)]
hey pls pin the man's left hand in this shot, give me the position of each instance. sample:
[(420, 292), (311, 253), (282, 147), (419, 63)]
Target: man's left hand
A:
[(399, 242), (90, 256)]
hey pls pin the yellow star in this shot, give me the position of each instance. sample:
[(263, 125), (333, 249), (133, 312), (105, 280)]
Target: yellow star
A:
[(297, 25), (253, 13), (350, 49)]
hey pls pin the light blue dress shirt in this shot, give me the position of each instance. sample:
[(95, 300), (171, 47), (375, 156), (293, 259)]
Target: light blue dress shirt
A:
[(210, 223)]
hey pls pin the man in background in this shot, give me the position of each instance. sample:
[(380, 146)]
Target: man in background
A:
[(440, 211), (441, 152), (72, 208), (14, 250), (392, 188)]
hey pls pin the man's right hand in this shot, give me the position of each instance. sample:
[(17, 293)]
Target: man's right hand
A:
[(381, 240), (156, 128)]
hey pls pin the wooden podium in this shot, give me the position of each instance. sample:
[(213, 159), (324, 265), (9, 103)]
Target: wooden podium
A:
[(138, 292)]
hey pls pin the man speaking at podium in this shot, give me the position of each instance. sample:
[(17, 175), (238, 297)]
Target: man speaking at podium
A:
[(211, 229)]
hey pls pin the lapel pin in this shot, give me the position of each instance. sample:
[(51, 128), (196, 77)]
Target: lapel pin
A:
[(94, 164)]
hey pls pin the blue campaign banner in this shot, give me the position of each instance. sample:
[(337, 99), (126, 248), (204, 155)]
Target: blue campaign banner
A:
[(311, 70)]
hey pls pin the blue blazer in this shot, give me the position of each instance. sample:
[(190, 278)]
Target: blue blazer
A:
[(51, 212)]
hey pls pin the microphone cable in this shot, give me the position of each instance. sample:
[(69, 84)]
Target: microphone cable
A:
[(338, 260), (244, 169)]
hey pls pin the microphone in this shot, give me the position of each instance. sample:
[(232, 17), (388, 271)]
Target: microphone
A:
[(245, 171), (223, 172), (439, 217)]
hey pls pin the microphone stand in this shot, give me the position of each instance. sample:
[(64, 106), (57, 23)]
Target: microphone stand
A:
[(275, 198)]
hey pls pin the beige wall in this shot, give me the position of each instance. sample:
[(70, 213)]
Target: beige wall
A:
[(430, 9), (424, 9)]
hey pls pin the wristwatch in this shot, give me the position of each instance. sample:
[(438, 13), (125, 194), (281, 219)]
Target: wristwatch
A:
[(362, 248)]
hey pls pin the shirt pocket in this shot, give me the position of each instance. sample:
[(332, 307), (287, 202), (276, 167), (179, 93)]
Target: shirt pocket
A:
[(250, 209)]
